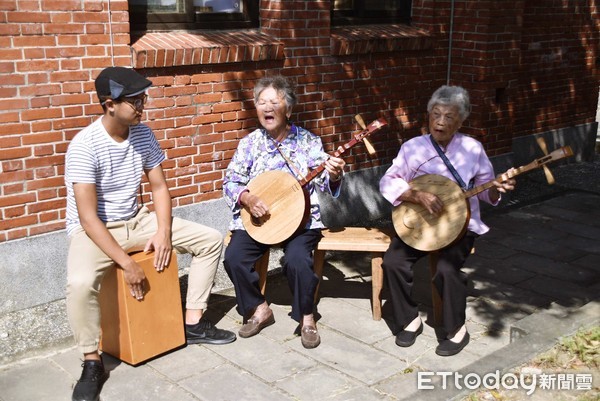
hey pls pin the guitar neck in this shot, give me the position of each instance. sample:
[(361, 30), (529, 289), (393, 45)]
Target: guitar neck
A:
[(558, 154), (315, 172), (374, 126)]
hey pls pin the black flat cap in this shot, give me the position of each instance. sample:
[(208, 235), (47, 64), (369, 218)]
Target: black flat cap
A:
[(116, 82)]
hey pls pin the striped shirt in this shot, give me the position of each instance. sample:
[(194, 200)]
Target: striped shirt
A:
[(116, 168)]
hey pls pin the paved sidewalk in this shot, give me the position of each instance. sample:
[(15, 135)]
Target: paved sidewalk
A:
[(535, 277)]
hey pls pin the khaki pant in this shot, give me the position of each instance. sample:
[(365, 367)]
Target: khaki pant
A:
[(87, 264)]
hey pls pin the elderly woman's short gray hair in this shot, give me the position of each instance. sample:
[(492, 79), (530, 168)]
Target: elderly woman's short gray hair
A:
[(451, 96), (281, 84)]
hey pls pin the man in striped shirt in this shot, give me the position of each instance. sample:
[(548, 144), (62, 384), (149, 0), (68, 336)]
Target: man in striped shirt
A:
[(104, 166)]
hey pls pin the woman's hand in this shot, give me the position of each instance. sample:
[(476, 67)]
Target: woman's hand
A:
[(502, 184), (431, 202), (254, 204), (335, 168)]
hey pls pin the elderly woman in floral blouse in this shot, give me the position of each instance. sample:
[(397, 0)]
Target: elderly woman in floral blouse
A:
[(274, 99)]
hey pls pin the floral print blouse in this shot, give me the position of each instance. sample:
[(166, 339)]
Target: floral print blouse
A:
[(257, 152)]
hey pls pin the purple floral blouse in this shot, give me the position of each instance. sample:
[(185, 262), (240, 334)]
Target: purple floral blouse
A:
[(257, 152)]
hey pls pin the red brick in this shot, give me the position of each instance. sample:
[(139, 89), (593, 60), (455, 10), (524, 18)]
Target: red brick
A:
[(16, 199), (13, 153), (46, 228)]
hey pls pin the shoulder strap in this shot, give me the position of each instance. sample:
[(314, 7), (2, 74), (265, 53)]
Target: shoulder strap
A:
[(290, 164), (450, 166)]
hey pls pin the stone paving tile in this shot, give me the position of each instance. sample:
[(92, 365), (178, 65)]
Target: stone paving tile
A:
[(591, 262), (70, 361), (187, 362), (493, 316), (533, 245), (486, 248), (564, 292), (557, 212), (353, 358), (402, 386), (409, 355), (547, 266), (352, 321), (432, 362), (229, 383), (537, 225), (582, 243), (323, 383), (483, 343), (267, 359), (503, 294), (364, 304), (504, 273), (578, 229), (36, 380), (124, 385)]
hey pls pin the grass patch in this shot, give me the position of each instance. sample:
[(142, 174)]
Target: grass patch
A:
[(579, 353)]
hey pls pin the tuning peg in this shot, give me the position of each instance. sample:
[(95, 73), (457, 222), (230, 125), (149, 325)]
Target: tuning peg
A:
[(370, 148), (368, 144), (542, 144), (360, 121), (549, 176)]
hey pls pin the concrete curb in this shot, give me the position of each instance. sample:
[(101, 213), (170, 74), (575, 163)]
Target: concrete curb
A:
[(533, 335)]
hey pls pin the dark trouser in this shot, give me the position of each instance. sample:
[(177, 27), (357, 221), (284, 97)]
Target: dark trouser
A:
[(449, 280), (241, 254)]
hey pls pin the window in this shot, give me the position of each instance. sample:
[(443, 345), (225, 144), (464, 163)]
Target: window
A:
[(355, 12), (147, 15)]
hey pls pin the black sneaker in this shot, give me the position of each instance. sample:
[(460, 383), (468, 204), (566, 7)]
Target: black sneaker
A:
[(204, 332), (90, 383)]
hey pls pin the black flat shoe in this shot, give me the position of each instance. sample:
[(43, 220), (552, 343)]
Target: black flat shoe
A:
[(449, 348), (407, 338)]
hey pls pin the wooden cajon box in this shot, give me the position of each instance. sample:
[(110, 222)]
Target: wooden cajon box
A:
[(135, 331)]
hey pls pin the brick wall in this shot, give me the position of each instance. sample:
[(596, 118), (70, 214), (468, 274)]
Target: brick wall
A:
[(530, 68)]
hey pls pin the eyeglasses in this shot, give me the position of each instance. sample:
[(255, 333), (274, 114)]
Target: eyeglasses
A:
[(136, 102)]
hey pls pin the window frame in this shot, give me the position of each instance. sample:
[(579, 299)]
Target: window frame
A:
[(361, 15), (141, 21)]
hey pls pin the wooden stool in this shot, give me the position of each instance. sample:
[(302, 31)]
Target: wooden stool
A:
[(135, 331), (358, 239), (354, 239)]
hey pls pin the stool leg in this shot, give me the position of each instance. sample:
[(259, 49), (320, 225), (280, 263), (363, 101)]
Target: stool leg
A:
[(318, 262), (436, 300), (377, 283), (262, 268)]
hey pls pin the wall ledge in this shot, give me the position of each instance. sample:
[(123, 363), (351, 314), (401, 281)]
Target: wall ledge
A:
[(171, 49), (364, 39)]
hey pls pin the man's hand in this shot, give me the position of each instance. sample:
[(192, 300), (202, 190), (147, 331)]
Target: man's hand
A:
[(134, 277), (161, 244)]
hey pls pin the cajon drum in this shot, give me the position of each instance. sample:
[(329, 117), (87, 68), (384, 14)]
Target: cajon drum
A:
[(135, 331)]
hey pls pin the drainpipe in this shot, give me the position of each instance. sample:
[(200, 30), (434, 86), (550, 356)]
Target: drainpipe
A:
[(450, 42), (110, 34)]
